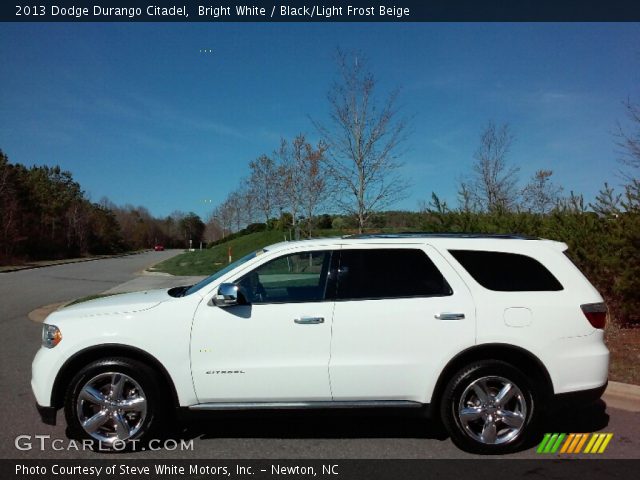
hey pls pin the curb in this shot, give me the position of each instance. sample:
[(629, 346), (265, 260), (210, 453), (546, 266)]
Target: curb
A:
[(74, 260), (151, 273), (41, 313), (623, 396)]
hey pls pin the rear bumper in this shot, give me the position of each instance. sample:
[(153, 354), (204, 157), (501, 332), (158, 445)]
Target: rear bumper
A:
[(578, 398), (578, 364), (47, 414)]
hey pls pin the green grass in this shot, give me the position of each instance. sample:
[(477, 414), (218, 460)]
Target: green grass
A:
[(211, 260)]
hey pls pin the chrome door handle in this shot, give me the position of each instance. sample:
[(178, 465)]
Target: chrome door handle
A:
[(449, 316), (309, 320)]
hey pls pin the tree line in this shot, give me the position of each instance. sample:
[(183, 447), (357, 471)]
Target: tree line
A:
[(45, 214)]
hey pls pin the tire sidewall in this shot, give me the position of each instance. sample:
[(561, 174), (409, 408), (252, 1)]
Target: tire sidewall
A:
[(142, 374), (457, 386)]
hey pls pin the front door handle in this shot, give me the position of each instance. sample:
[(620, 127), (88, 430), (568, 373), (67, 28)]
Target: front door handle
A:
[(309, 320), (449, 316)]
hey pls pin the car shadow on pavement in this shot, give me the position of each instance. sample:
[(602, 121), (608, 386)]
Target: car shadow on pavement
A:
[(366, 424), (581, 419), (572, 419), (312, 424)]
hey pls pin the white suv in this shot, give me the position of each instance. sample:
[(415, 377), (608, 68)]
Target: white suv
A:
[(484, 332)]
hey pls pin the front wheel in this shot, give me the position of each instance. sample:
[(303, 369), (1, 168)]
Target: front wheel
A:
[(488, 407), (113, 402)]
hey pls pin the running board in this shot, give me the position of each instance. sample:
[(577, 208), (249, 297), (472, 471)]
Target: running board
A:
[(304, 405)]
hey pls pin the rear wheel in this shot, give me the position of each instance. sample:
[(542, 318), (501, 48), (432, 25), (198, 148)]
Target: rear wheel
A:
[(489, 407), (114, 401)]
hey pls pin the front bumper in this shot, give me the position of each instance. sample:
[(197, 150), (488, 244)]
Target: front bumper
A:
[(47, 414), (44, 370)]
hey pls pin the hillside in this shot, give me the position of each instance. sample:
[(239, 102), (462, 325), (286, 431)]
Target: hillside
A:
[(210, 260)]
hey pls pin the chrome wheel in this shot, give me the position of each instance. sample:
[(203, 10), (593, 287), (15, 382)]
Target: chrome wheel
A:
[(492, 410), (111, 406)]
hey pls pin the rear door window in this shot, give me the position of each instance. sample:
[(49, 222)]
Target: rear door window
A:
[(386, 273)]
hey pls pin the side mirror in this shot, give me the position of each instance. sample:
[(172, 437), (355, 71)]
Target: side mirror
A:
[(228, 295)]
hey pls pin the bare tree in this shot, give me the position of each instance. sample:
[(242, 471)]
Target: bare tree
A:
[(234, 204), (541, 195), (223, 216), (630, 141), (303, 178), (264, 184), (292, 175), (466, 201), (77, 216), (242, 201), (213, 231), (314, 184), (363, 138), (493, 184)]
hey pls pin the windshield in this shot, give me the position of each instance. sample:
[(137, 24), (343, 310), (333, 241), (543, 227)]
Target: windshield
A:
[(206, 281)]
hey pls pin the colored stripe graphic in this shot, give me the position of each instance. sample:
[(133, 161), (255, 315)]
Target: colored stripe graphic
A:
[(605, 443), (577, 443), (543, 443), (598, 443), (550, 443), (596, 446), (555, 447), (592, 440), (568, 442), (582, 440), (573, 443)]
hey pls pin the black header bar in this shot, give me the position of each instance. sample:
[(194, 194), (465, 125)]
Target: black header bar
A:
[(320, 11)]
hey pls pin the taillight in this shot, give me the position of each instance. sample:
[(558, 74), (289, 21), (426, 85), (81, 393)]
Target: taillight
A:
[(596, 313)]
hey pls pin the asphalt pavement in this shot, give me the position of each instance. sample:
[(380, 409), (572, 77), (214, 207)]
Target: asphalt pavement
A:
[(288, 435)]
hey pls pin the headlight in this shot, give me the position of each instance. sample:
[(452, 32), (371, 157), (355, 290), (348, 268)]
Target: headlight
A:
[(51, 335)]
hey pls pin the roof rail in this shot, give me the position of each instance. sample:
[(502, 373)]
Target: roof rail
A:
[(505, 236)]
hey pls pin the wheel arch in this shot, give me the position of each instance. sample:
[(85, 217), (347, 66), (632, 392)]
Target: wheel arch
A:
[(519, 357), (90, 354)]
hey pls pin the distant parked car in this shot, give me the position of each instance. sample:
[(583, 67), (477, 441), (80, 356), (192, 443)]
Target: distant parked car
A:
[(159, 248)]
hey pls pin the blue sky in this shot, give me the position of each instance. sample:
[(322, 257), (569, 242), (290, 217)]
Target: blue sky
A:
[(139, 114)]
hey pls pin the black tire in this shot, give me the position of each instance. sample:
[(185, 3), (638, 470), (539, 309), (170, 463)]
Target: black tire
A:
[(483, 413), (139, 382)]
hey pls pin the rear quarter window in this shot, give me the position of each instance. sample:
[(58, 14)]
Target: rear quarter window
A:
[(507, 272)]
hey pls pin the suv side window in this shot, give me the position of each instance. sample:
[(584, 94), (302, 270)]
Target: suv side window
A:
[(387, 273), (298, 277), (506, 272)]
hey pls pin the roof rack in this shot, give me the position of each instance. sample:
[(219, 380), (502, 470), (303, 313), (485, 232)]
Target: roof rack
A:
[(505, 236)]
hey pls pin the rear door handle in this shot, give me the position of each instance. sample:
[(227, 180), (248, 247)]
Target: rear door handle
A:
[(449, 316), (309, 320)]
